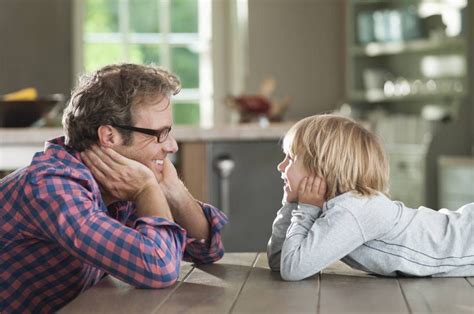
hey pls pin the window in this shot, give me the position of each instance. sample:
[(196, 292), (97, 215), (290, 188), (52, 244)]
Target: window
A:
[(173, 33)]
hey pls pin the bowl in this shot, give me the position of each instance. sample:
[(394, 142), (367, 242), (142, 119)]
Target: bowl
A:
[(23, 113)]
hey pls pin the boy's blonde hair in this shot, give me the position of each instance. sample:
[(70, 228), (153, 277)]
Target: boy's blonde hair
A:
[(343, 152)]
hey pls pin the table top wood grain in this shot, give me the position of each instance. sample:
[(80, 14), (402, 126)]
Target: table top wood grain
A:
[(243, 283)]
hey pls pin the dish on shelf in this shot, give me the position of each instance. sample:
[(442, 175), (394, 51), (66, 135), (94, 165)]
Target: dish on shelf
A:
[(23, 113)]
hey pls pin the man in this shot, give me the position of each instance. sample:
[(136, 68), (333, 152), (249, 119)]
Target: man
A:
[(104, 199)]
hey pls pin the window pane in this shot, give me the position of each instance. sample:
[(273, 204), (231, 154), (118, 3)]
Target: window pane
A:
[(145, 54), (144, 16), (98, 55), (185, 63), (184, 16), (186, 113), (101, 16)]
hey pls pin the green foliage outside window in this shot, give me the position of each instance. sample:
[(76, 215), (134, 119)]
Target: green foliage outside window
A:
[(102, 17), (185, 63), (145, 54), (144, 16), (184, 17), (98, 55), (186, 113)]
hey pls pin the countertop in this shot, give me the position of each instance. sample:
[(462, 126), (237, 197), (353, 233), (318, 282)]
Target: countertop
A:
[(240, 132), (17, 145)]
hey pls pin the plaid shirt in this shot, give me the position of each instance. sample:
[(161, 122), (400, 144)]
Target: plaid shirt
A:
[(58, 238)]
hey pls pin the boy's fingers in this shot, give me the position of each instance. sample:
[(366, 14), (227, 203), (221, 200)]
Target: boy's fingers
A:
[(316, 182), (309, 184), (303, 185), (322, 187)]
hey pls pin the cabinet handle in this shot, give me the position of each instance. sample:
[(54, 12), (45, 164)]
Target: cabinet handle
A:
[(402, 165), (225, 165)]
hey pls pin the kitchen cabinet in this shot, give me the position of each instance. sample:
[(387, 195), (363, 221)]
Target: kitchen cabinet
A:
[(250, 195), (241, 178), (407, 73), (408, 53), (456, 181)]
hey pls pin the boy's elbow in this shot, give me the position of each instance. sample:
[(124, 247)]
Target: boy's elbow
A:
[(273, 261), (293, 269), (290, 275)]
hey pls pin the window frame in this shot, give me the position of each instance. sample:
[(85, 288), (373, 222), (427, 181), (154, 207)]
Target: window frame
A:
[(203, 95)]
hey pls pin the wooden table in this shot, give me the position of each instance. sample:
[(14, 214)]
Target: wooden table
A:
[(243, 283)]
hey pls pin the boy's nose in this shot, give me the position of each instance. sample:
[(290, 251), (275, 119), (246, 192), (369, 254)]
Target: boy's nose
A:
[(280, 166)]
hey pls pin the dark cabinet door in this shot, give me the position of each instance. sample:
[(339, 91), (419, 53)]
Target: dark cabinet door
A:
[(249, 190)]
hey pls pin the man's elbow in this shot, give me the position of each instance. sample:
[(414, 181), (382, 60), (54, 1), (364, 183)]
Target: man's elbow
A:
[(217, 254), (159, 282)]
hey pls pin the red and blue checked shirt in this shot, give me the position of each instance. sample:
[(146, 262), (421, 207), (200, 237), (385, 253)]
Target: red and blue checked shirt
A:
[(58, 238)]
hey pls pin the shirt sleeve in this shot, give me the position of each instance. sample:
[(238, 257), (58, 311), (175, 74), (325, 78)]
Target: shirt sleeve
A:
[(279, 228), (207, 251), (69, 213), (314, 240)]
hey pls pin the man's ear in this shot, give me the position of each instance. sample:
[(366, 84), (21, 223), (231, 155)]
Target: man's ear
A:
[(109, 136)]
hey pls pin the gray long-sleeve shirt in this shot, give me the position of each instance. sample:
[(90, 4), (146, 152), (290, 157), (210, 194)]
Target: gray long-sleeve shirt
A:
[(373, 234)]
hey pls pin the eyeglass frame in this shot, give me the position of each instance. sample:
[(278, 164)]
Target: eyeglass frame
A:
[(155, 133)]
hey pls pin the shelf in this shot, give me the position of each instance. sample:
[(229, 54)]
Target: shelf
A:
[(420, 45), (363, 96)]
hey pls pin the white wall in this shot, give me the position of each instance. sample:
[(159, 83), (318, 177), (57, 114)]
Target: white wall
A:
[(35, 45), (300, 43)]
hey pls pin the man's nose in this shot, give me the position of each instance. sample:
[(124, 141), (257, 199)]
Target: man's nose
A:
[(171, 146)]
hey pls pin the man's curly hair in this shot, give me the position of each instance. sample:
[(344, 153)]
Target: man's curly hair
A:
[(106, 97)]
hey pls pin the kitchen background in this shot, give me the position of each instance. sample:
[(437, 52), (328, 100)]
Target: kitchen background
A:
[(404, 68)]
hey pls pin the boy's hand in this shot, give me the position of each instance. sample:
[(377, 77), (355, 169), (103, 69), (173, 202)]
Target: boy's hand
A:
[(312, 190)]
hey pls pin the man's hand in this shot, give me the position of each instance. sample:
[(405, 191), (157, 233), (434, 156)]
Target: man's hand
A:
[(312, 190), (122, 178), (185, 209), (169, 180)]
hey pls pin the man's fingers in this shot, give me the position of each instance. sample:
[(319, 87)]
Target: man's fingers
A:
[(108, 156), (94, 164), (113, 155), (99, 158)]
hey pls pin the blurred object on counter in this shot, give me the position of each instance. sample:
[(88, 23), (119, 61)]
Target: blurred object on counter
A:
[(29, 93), (261, 106), (24, 108)]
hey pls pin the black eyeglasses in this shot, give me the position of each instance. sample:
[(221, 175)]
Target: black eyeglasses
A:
[(161, 135)]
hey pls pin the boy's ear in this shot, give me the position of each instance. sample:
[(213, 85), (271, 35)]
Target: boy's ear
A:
[(108, 136)]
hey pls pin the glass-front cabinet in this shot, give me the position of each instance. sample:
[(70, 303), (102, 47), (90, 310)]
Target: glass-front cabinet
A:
[(406, 72)]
